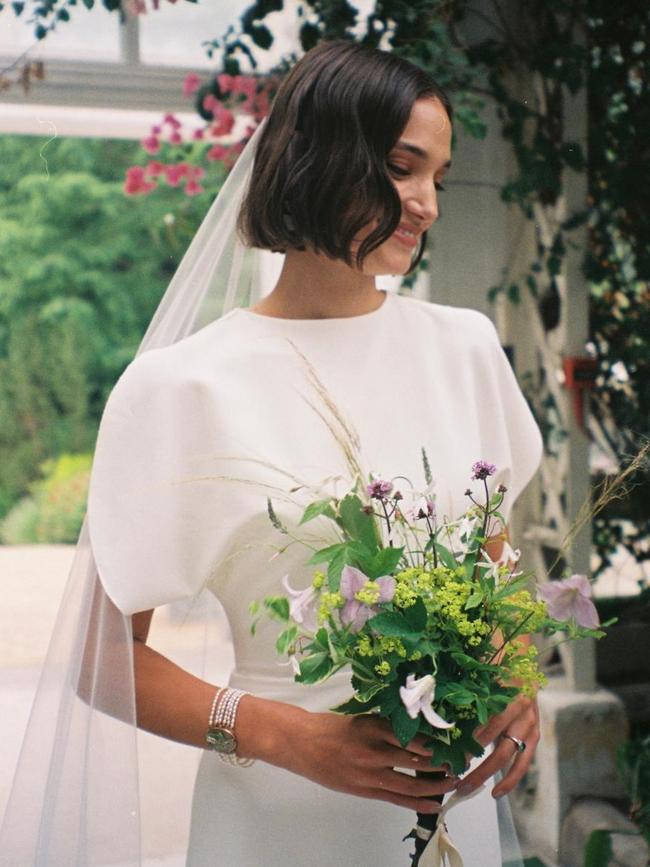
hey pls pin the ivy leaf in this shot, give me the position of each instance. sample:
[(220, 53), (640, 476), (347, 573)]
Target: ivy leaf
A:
[(353, 706), (278, 607), (404, 727), (314, 668), (286, 639)]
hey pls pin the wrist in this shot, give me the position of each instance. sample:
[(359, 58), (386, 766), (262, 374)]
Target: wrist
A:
[(265, 729)]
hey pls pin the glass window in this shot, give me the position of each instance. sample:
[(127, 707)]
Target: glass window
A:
[(90, 34), (173, 35)]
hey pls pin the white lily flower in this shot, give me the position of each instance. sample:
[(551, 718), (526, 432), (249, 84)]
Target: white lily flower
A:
[(508, 555), (302, 607), (417, 695), (492, 566)]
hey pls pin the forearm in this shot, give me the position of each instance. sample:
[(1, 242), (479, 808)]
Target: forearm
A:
[(174, 704)]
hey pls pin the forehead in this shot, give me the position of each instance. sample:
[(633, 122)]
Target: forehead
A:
[(427, 133)]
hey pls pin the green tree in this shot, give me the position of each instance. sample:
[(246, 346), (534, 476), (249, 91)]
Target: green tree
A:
[(82, 268)]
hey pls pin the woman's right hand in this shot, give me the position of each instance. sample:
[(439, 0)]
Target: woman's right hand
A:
[(357, 755)]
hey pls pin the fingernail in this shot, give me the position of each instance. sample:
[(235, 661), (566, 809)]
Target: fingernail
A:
[(498, 794)]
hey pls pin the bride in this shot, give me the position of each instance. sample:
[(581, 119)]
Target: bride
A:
[(345, 179)]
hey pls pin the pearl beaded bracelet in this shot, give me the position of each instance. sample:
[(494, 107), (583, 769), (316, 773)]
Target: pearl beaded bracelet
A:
[(221, 726)]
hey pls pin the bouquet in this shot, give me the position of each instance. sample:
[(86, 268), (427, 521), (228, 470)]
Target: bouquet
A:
[(429, 624)]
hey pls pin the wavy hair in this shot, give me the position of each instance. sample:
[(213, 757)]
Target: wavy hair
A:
[(320, 167)]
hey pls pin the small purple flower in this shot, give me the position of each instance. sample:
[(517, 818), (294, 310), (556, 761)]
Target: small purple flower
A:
[(570, 598), (482, 469), (378, 489), (355, 613)]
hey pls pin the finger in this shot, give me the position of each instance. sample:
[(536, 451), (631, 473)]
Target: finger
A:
[(417, 745), (392, 757), (501, 756), (518, 769), (414, 787)]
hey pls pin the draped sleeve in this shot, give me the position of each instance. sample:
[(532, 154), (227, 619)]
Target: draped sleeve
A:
[(506, 418), (153, 522)]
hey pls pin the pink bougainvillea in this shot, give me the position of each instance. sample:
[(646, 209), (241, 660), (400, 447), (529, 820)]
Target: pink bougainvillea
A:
[(136, 182), (240, 95)]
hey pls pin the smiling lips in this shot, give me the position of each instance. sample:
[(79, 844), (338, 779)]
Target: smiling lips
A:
[(406, 235)]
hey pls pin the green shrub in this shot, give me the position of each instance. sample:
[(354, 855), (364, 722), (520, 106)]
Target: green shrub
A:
[(55, 508)]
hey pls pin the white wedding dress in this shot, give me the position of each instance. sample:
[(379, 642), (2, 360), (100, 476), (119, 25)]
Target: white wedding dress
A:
[(196, 435)]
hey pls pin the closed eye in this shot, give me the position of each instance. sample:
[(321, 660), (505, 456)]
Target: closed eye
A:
[(400, 172)]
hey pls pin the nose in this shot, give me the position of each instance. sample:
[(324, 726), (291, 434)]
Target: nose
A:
[(423, 206)]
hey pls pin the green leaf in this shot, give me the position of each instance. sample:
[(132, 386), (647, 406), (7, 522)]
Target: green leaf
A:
[(369, 693), (326, 554), (357, 523), (286, 639), (404, 727), (393, 624), (313, 510), (474, 600), (314, 668), (18, 8), (598, 851), (278, 607), (416, 615), (353, 706), (383, 562), (445, 556), (334, 570)]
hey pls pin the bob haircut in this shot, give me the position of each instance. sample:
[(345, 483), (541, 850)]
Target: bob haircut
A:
[(320, 172)]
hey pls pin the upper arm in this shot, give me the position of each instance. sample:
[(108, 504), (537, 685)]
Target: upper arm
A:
[(141, 622)]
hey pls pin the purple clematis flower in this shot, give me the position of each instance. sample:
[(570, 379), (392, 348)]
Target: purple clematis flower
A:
[(482, 469), (355, 613), (569, 598), (302, 607)]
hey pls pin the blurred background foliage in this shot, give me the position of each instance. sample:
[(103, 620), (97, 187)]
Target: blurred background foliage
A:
[(82, 268)]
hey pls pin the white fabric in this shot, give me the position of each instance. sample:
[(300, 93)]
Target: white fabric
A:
[(168, 517)]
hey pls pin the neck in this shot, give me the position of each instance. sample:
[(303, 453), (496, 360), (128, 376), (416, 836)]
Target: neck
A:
[(312, 286)]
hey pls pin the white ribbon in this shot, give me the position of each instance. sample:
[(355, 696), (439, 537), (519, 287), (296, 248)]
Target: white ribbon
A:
[(440, 851)]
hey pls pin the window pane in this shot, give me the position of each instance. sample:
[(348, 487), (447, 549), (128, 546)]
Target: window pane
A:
[(90, 34), (173, 34)]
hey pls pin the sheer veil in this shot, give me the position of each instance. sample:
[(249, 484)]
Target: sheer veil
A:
[(80, 793), (77, 797)]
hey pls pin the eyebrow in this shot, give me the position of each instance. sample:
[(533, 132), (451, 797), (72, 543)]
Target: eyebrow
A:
[(414, 149)]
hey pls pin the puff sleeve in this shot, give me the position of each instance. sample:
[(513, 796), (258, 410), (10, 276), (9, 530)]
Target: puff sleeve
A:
[(153, 524)]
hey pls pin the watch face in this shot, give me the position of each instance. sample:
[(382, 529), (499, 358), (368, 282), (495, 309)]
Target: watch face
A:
[(222, 740)]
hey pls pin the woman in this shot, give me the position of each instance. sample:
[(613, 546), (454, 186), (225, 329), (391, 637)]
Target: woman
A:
[(346, 180)]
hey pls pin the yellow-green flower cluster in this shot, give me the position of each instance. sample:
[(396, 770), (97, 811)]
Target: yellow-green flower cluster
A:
[(522, 669), (369, 593), (364, 646), (449, 601), (318, 580), (387, 644), (534, 612), (380, 646), (329, 602), (383, 668)]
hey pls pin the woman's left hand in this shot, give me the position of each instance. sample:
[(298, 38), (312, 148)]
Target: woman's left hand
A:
[(521, 720)]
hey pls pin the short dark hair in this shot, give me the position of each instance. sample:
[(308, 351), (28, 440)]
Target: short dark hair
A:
[(320, 168)]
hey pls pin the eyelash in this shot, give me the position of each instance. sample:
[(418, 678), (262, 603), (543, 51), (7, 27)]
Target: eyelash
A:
[(403, 172)]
